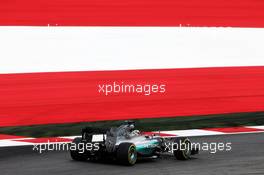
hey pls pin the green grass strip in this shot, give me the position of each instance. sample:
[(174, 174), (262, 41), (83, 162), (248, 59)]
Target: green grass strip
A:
[(170, 123)]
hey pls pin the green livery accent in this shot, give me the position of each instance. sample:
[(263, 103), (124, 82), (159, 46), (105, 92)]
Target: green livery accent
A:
[(147, 148)]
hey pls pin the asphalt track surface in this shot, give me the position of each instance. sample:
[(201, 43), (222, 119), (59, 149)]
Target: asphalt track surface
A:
[(246, 157)]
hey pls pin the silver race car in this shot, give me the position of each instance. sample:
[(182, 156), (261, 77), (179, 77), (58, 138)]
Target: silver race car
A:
[(125, 145)]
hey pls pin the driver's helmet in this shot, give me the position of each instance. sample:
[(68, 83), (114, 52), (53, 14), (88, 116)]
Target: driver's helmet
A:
[(131, 127), (135, 132)]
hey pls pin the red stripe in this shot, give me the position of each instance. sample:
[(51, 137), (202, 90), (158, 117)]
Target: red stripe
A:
[(236, 13), (42, 98), (45, 140), (6, 136), (234, 129)]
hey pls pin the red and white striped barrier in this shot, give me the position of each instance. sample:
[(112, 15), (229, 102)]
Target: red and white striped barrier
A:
[(209, 54)]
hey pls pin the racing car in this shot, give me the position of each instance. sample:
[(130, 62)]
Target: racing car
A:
[(126, 145)]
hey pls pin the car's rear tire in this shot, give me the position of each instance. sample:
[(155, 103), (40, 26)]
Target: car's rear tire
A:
[(76, 154), (126, 153), (182, 148)]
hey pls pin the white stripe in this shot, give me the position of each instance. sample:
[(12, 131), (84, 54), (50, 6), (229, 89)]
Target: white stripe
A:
[(256, 127), (48, 49), (5, 143), (192, 132), (69, 137)]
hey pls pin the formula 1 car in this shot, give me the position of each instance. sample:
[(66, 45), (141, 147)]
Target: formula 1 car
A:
[(125, 145)]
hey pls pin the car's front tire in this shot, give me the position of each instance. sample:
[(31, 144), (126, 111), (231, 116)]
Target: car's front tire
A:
[(182, 148), (126, 153)]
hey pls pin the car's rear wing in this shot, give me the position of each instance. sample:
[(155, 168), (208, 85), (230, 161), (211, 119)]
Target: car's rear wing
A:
[(94, 134)]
